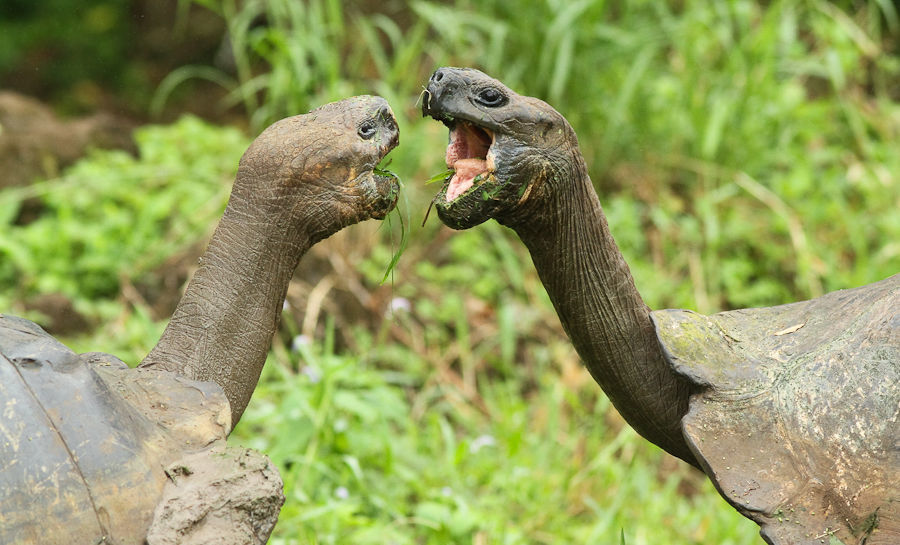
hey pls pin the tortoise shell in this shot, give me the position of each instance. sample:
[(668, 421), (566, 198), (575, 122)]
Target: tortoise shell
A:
[(84, 440), (797, 415)]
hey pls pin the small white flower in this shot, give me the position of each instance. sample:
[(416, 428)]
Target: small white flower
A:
[(341, 493), (298, 342), (480, 442), (399, 304), (312, 373), (285, 306), (447, 491)]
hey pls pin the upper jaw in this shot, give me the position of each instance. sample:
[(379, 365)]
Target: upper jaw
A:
[(447, 101), (440, 110)]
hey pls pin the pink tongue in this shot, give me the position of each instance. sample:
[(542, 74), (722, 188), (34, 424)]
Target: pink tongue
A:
[(466, 170)]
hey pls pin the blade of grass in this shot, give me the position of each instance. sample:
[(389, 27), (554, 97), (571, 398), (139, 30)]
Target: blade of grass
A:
[(440, 177), (396, 253)]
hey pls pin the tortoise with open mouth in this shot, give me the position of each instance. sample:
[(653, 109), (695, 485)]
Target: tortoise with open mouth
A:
[(792, 411)]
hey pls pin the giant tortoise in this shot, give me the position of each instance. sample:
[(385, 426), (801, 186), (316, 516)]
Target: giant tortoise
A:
[(792, 411), (92, 451)]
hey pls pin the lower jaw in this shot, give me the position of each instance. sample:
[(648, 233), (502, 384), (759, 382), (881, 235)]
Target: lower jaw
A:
[(459, 219), (469, 209), (389, 192)]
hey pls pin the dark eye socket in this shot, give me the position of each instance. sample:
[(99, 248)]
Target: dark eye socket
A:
[(491, 97), (367, 130)]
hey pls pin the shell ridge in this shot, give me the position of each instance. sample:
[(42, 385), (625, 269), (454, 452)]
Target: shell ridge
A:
[(74, 459)]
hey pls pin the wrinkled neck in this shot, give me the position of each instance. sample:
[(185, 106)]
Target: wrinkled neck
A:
[(602, 312), (222, 329)]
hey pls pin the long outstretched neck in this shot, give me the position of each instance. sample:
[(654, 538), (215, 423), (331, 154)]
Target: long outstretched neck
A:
[(222, 328), (602, 312)]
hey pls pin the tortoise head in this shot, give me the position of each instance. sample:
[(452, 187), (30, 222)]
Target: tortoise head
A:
[(317, 173), (507, 151)]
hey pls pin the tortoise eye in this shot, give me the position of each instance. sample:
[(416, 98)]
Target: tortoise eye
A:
[(491, 97), (367, 130)]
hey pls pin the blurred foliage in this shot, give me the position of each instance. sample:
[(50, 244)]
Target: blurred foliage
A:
[(113, 216), (744, 152), (61, 44)]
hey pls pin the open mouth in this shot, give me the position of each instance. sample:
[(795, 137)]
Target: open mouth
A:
[(469, 156)]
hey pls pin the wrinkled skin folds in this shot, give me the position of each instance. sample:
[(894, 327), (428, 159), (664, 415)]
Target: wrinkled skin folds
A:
[(537, 184), (303, 179)]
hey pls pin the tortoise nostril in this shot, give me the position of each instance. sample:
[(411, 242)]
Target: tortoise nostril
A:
[(390, 122), (438, 75)]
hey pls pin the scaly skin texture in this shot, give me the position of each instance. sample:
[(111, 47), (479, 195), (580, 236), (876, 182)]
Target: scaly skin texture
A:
[(303, 179), (542, 191)]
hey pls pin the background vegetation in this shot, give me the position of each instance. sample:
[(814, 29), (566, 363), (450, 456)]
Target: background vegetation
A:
[(745, 153)]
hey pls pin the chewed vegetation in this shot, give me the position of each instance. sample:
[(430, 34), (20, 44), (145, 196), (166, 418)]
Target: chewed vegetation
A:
[(745, 154)]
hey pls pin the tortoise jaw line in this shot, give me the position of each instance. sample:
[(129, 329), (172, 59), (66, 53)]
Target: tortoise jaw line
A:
[(387, 185), (387, 197)]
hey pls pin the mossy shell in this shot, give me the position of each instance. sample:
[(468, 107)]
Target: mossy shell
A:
[(797, 415)]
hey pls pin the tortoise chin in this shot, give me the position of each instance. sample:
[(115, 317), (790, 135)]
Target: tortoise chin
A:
[(472, 208), (386, 191), (460, 217)]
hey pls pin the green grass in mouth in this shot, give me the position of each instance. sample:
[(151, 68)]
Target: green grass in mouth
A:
[(440, 177), (382, 170)]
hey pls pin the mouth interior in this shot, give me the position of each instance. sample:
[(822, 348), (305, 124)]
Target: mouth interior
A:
[(467, 155)]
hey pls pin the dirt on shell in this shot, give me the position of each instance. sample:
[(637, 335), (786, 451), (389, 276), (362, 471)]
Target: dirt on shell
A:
[(228, 496)]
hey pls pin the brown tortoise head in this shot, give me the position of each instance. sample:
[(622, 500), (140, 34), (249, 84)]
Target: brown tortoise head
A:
[(507, 150), (316, 173)]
